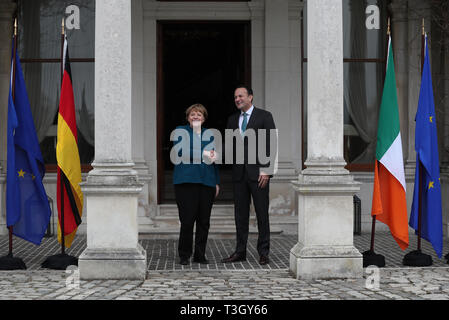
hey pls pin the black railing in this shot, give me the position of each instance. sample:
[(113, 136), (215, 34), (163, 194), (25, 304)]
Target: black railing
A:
[(357, 215), (50, 230)]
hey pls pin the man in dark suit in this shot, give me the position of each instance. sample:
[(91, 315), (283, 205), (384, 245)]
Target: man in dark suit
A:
[(251, 178)]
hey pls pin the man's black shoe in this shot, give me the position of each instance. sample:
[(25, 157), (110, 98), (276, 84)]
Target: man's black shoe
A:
[(264, 260), (184, 261), (234, 258), (202, 260)]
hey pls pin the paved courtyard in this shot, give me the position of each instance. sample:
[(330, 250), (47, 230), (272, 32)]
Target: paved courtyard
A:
[(167, 280)]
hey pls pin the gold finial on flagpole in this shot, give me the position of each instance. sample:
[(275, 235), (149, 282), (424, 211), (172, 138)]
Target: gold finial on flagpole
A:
[(388, 30), (63, 27), (15, 26), (423, 27)]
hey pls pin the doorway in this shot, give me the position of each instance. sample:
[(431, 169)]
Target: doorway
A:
[(198, 62)]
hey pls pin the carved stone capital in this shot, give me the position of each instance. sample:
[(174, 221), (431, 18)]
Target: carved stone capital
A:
[(399, 10)]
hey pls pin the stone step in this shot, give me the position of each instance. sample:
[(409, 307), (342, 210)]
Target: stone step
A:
[(222, 221), (221, 215), (218, 210), (214, 230), (173, 232), (226, 186)]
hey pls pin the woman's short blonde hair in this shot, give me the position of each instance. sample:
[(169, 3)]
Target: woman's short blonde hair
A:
[(198, 108)]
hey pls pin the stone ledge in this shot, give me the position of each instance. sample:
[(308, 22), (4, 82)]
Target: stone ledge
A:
[(320, 188), (326, 262), (325, 251), (113, 264)]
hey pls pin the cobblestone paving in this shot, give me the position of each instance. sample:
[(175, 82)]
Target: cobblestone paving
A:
[(162, 253), (167, 280), (395, 284)]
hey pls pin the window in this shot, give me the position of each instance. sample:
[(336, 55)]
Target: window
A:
[(364, 71), (39, 47)]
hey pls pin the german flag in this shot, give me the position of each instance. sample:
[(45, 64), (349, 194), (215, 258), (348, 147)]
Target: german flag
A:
[(69, 195)]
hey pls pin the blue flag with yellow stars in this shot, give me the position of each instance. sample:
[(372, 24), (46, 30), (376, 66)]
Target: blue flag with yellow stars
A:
[(27, 207), (426, 146)]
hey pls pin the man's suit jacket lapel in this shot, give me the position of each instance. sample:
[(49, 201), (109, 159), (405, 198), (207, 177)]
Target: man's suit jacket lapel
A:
[(252, 119), (236, 121)]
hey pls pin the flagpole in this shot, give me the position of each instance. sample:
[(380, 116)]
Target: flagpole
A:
[(423, 43), (416, 258), (61, 173), (13, 93), (373, 227), (370, 257), (61, 261), (9, 262)]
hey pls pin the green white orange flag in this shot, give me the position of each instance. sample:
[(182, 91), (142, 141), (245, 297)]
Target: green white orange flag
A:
[(67, 156), (389, 202)]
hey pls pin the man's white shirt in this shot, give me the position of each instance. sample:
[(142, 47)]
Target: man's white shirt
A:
[(249, 112)]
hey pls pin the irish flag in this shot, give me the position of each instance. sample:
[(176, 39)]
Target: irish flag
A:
[(389, 204)]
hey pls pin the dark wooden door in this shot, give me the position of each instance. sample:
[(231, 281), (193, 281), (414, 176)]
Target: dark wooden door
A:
[(198, 62)]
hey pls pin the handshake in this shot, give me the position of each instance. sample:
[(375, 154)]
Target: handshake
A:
[(211, 156)]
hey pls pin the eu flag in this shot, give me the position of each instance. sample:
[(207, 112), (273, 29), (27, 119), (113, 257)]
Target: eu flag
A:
[(426, 146), (27, 207)]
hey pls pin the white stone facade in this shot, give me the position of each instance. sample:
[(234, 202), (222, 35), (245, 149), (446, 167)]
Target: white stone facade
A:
[(130, 158)]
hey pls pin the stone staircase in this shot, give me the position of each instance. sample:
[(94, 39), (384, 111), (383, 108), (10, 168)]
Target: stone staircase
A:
[(221, 223), (226, 194), (166, 221)]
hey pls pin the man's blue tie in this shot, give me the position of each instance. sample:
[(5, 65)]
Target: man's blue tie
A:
[(245, 121)]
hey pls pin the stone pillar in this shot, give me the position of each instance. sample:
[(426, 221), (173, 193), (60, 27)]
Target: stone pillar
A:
[(277, 73), (282, 95), (112, 188), (325, 188), (7, 9), (146, 210)]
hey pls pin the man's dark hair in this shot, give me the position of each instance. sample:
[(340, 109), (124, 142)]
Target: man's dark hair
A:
[(248, 89)]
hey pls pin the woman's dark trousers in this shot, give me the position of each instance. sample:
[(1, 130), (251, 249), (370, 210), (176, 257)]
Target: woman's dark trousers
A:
[(194, 202)]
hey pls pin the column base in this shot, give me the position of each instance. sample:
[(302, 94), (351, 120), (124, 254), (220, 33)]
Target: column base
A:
[(325, 248), (338, 262), (113, 264)]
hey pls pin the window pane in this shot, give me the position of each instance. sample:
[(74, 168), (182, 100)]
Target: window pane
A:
[(40, 38), (83, 75), (363, 84), (359, 42), (40, 29), (43, 82)]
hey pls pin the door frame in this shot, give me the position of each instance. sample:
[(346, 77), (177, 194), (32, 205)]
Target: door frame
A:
[(160, 24)]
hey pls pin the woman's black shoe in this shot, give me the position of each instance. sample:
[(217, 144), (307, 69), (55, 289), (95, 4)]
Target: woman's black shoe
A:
[(184, 261)]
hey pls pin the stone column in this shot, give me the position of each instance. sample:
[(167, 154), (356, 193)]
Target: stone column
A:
[(282, 94), (7, 9), (325, 188), (146, 211), (112, 187), (279, 84)]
